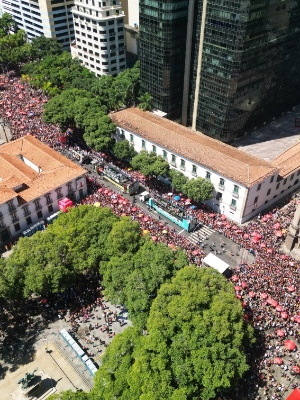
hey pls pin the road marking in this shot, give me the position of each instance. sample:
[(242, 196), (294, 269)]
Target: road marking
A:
[(183, 230)]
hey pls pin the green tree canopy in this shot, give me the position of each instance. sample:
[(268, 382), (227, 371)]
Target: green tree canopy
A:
[(199, 189), (7, 25), (145, 102), (60, 71), (49, 262), (178, 179), (124, 150), (150, 164), (195, 345), (43, 47)]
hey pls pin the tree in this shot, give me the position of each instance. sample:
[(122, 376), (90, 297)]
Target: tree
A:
[(42, 47), (69, 395), (197, 324), (7, 25), (49, 262), (150, 164), (124, 150), (178, 179), (145, 102), (98, 132), (195, 346), (111, 378), (198, 189)]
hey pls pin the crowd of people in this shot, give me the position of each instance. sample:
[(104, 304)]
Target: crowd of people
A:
[(269, 289)]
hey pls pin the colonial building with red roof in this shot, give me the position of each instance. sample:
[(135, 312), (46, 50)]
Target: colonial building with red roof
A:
[(33, 178), (244, 184)]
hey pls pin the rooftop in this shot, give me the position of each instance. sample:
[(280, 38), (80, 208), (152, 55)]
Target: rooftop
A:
[(226, 160), (29, 169)]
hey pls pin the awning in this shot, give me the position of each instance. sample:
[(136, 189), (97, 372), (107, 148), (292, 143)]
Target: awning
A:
[(295, 395), (215, 262)]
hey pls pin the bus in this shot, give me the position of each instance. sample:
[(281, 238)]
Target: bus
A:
[(174, 213), (120, 179)]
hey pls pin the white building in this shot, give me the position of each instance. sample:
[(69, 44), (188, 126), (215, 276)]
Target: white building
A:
[(131, 9), (33, 178), (244, 185), (99, 36), (51, 18)]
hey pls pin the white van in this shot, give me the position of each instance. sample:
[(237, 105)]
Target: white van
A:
[(144, 196)]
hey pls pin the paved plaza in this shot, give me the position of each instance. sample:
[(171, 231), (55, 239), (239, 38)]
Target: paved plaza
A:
[(54, 358), (273, 139)]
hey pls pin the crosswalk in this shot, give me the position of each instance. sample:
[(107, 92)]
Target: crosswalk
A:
[(201, 233)]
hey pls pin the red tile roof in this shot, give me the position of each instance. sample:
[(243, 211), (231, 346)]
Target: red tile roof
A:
[(54, 169), (226, 160), (289, 161)]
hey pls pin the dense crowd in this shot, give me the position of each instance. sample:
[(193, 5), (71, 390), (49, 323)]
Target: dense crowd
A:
[(269, 289)]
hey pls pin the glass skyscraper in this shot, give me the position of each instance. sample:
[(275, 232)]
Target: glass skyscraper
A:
[(242, 62), (162, 52)]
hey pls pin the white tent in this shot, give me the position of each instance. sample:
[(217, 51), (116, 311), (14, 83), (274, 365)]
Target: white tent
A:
[(215, 262)]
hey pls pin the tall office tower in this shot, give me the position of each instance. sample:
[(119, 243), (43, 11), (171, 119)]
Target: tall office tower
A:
[(241, 64), (132, 36), (163, 27), (51, 18), (99, 35), (244, 65)]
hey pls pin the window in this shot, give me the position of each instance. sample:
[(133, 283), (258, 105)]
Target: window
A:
[(131, 138), (11, 206), (233, 204), (70, 189), (268, 192), (182, 164), (222, 182), (59, 193), (26, 211), (173, 162), (14, 216), (29, 220), (219, 196), (2, 224), (298, 173), (292, 177), (194, 170), (48, 199), (143, 144), (39, 214), (37, 204), (50, 208), (154, 149), (272, 179), (284, 182), (236, 189), (277, 186), (165, 154), (255, 201), (17, 227), (259, 187), (207, 176)]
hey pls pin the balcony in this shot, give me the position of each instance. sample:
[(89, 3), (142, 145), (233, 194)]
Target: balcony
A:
[(235, 195), (221, 187), (232, 207)]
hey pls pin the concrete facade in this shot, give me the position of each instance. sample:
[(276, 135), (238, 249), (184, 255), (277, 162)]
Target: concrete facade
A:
[(99, 36)]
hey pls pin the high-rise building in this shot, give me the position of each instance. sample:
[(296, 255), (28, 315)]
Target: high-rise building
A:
[(163, 27), (131, 24), (241, 63), (99, 36), (51, 18)]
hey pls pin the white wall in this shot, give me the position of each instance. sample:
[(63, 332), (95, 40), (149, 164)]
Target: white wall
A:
[(224, 205), (76, 185)]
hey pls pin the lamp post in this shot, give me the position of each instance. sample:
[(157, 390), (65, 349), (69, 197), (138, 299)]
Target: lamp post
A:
[(3, 124)]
